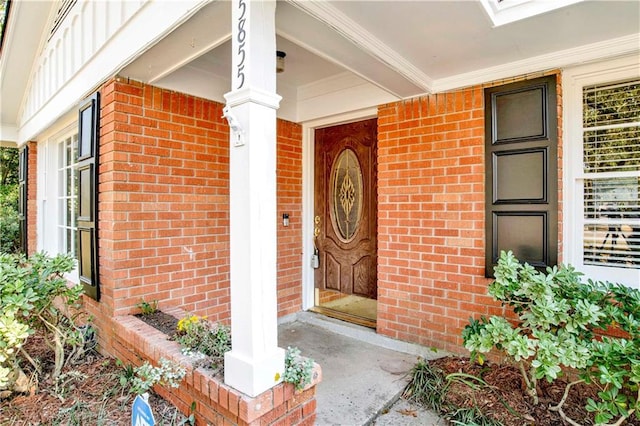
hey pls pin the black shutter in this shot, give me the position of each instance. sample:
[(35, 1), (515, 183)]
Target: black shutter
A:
[(87, 167), (23, 177), (521, 133)]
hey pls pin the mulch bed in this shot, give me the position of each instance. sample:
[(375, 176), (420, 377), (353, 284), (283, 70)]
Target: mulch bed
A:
[(505, 398), (88, 393), (161, 321)]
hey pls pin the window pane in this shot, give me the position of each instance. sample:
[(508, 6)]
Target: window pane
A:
[(74, 143), (67, 195), (612, 150), (69, 212), (611, 104), (612, 245), (611, 144), (69, 181), (346, 194), (612, 222)]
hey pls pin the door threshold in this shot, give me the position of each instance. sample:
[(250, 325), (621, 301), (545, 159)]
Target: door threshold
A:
[(365, 322)]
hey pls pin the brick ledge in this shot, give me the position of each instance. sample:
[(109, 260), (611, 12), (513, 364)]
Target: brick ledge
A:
[(216, 403)]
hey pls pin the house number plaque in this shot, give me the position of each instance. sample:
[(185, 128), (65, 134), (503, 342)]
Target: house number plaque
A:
[(241, 38)]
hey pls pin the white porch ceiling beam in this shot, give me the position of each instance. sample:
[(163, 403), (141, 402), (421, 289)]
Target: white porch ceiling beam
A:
[(327, 32)]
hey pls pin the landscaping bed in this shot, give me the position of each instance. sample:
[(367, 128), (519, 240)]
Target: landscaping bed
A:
[(571, 350), (91, 392), (498, 398)]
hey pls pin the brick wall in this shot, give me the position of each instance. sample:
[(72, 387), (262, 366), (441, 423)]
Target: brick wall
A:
[(431, 217), (32, 203), (164, 204), (289, 181)]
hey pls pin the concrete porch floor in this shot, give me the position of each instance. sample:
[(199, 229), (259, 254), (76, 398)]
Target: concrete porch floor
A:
[(363, 373)]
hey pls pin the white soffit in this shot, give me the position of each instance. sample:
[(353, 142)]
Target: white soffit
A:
[(352, 31), (206, 30), (324, 30), (20, 47)]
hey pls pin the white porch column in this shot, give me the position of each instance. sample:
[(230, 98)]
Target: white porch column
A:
[(255, 363)]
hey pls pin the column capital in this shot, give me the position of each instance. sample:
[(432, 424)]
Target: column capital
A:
[(253, 95)]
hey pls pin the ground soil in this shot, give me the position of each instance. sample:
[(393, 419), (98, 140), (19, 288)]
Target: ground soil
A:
[(505, 399), (161, 321), (88, 393)]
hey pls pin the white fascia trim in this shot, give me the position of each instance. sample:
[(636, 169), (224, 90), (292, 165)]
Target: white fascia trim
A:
[(129, 42), (308, 176), (608, 49), (507, 11), (349, 29)]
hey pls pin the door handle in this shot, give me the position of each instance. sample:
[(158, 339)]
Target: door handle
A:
[(315, 259)]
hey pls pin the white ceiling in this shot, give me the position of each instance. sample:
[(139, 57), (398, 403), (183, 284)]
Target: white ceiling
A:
[(399, 49)]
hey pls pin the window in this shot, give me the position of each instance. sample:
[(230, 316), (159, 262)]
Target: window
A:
[(503, 12), (57, 189), (67, 194), (603, 156), (611, 165)]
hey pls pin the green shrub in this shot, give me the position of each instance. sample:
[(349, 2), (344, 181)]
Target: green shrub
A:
[(9, 222), (559, 323), (297, 369), (197, 335), (147, 308), (28, 290), (168, 374)]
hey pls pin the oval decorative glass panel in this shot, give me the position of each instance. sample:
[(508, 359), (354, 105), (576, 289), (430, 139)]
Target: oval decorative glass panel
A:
[(346, 196)]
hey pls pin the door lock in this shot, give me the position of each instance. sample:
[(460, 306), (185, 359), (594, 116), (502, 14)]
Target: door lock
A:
[(315, 259)]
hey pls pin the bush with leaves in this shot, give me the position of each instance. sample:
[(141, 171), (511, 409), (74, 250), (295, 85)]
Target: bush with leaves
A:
[(297, 369), (35, 295), (9, 219), (197, 334), (560, 321), (168, 373)]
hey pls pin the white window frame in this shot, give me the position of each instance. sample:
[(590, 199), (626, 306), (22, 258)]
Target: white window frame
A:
[(50, 186), (502, 12), (573, 81)]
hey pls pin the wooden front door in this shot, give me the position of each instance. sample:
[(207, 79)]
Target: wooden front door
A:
[(345, 208)]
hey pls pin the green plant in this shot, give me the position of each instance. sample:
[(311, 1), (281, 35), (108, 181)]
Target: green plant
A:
[(145, 376), (148, 308), (9, 219), (557, 317), (427, 386), (191, 420), (64, 383), (35, 295), (297, 369), (12, 335), (198, 335)]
